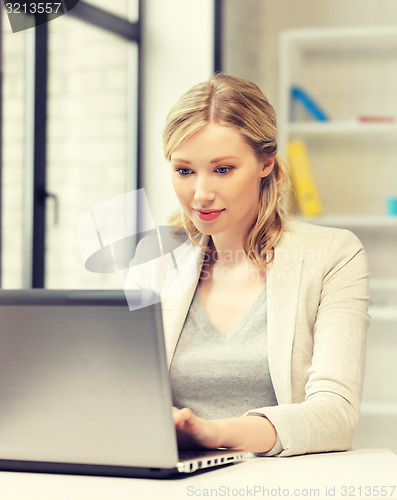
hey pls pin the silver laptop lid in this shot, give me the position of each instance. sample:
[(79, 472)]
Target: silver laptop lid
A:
[(84, 380)]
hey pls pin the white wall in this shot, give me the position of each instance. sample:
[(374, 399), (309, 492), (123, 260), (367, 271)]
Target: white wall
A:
[(178, 53), (252, 29)]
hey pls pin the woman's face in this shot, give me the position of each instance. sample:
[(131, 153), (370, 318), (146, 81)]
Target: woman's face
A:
[(216, 176)]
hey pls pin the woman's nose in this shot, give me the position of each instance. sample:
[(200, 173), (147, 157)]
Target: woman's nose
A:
[(204, 191)]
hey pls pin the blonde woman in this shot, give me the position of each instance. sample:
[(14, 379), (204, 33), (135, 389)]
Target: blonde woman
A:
[(266, 349)]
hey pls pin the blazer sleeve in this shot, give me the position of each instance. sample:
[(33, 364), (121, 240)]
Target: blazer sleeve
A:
[(327, 418)]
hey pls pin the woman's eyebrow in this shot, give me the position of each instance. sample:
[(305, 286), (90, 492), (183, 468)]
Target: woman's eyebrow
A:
[(223, 158), (181, 160), (215, 160)]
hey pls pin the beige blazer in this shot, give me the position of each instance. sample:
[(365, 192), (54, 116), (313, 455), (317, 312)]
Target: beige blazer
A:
[(317, 299)]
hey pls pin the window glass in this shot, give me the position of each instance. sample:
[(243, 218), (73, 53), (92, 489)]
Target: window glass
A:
[(13, 68), (92, 110)]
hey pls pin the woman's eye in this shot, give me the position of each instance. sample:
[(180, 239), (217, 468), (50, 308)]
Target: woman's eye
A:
[(183, 171), (223, 170)]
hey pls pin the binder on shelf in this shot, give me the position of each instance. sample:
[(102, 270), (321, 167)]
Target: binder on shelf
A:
[(303, 180), (376, 119), (300, 95)]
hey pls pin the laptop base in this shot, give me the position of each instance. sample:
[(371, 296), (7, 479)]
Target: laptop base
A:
[(87, 469)]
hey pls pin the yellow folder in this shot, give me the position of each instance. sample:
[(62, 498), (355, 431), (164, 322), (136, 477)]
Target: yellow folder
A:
[(303, 180)]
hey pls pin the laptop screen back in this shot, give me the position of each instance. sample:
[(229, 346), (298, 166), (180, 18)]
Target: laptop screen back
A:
[(83, 380)]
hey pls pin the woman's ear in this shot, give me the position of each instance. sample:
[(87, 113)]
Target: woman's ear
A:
[(267, 167)]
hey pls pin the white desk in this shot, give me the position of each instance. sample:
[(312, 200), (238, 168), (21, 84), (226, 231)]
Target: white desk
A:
[(354, 474)]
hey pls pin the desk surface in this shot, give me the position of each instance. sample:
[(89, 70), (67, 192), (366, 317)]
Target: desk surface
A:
[(353, 474)]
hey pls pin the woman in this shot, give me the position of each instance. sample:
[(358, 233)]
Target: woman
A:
[(266, 348)]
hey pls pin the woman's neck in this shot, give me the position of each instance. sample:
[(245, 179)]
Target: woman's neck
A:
[(228, 252)]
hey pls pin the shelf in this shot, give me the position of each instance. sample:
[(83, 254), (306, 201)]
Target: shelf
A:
[(343, 37), (373, 408), (354, 221), (383, 313), (383, 284), (339, 128)]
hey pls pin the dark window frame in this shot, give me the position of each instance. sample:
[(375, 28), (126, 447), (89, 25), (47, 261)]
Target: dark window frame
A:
[(218, 33), (1, 142)]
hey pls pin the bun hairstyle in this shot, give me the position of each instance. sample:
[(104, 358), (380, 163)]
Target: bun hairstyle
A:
[(234, 102)]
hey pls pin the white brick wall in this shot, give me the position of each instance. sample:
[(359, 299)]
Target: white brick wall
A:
[(12, 152)]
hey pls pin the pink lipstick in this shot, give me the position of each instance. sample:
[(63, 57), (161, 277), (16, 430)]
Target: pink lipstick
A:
[(208, 215)]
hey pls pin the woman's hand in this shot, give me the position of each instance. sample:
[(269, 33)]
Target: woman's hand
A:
[(252, 433), (195, 432)]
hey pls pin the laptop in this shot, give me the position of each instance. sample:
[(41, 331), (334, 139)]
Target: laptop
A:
[(84, 387)]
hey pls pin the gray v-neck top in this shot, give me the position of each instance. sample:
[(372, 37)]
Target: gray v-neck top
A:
[(218, 375)]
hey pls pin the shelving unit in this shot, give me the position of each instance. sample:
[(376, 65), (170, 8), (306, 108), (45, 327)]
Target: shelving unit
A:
[(356, 221), (351, 72), (340, 128)]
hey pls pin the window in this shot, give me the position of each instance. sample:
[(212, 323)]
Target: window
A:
[(70, 90)]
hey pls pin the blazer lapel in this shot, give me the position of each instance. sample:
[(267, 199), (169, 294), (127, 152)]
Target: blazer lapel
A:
[(283, 280), (174, 310)]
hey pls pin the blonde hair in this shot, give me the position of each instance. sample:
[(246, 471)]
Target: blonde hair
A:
[(234, 102)]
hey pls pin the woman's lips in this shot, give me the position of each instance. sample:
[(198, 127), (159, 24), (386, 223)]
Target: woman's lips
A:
[(207, 215)]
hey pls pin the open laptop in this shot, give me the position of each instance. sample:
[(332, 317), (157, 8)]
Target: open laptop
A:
[(84, 387)]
